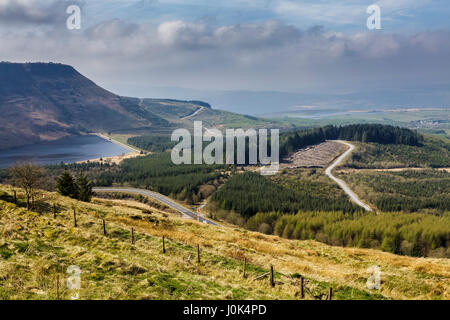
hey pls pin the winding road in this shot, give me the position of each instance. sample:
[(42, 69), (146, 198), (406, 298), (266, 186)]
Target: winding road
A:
[(159, 197), (193, 114), (340, 182), (190, 214)]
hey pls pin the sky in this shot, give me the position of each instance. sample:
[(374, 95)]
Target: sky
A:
[(211, 48)]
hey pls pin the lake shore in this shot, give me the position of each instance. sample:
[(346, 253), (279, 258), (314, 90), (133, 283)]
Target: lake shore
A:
[(134, 152), (110, 139)]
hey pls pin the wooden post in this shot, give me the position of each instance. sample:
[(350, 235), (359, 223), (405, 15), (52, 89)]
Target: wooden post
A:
[(198, 253), (132, 235), (164, 244), (75, 217), (104, 227), (272, 283), (57, 287), (54, 211), (15, 197), (330, 294), (245, 267), (302, 287)]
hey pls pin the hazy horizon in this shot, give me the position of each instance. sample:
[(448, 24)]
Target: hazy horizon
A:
[(250, 56)]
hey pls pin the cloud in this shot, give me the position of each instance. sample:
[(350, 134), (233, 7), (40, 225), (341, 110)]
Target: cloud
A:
[(268, 55), (345, 12), (112, 29), (33, 12)]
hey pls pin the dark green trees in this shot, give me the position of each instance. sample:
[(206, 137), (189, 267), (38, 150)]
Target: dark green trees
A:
[(377, 133), (80, 189), (84, 188), (250, 193), (66, 185)]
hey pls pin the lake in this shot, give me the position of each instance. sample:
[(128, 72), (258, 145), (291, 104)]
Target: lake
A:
[(67, 150)]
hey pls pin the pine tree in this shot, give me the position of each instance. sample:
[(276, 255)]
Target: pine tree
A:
[(84, 188), (66, 185)]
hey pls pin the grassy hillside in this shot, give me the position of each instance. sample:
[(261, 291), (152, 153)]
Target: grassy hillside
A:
[(36, 248), (305, 204), (184, 113)]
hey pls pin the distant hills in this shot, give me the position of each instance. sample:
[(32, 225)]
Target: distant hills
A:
[(48, 101)]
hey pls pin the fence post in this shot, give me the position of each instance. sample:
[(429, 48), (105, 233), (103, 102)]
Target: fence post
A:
[(302, 290), (198, 253), (272, 283), (245, 267), (75, 217), (164, 245), (54, 211), (104, 227), (330, 294), (132, 235), (57, 287), (15, 197)]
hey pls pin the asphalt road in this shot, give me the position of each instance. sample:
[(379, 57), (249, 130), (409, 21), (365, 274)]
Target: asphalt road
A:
[(159, 197), (340, 182)]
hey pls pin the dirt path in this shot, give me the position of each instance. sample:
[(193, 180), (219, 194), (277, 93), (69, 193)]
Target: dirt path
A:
[(340, 182), (194, 113)]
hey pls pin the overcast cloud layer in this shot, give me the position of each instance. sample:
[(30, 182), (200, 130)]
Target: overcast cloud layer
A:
[(265, 54)]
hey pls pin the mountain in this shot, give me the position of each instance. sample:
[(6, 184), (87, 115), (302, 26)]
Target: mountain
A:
[(48, 101), (41, 102)]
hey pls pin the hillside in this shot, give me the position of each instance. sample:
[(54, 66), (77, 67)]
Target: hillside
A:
[(48, 101), (36, 249), (184, 113), (41, 101)]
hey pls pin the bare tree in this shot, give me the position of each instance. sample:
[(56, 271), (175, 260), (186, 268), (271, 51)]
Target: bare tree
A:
[(27, 176)]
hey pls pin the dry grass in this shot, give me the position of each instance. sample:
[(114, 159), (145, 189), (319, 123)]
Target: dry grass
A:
[(35, 248)]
